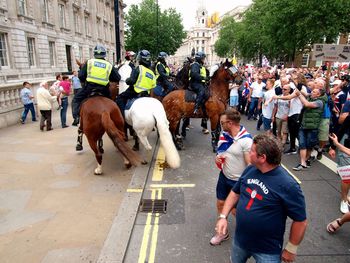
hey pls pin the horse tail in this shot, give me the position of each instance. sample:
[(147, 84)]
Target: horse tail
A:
[(166, 140), (117, 138)]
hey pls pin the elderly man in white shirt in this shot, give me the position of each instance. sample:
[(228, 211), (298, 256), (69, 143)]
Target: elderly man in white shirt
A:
[(45, 100)]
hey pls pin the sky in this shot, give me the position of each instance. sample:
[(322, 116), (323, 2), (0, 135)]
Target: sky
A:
[(187, 8)]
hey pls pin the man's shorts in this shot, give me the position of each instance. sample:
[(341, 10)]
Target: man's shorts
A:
[(233, 101), (282, 126), (308, 138), (224, 186), (323, 130), (267, 124)]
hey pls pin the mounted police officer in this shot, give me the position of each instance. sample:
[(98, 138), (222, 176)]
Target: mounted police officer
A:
[(163, 73), (96, 73), (198, 76), (141, 81)]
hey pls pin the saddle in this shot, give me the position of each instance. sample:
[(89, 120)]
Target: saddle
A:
[(190, 96), (95, 93)]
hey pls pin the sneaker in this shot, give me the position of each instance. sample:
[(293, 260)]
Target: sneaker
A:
[(290, 151), (22, 121), (195, 111), (344, 206), (205, 131), (319, 154), (218, 239), (312, 159), (299, 167), (308, 163), (65, 126)]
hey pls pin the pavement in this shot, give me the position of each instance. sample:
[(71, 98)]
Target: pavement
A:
[(52, 206)]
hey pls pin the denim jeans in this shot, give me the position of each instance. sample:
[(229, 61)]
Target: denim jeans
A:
[(239, 255), (253, 108), (64, 111), (27, 108)]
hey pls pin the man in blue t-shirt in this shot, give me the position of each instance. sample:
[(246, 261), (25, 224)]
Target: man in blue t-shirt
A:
[(265, 195)]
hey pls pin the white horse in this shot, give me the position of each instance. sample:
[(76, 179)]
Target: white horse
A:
[(146, 114), (124, 72)]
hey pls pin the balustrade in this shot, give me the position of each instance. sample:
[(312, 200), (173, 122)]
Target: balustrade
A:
[(10, 98)]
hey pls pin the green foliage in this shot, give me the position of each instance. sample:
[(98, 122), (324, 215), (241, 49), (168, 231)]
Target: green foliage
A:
[(281, 28), (141, 29)]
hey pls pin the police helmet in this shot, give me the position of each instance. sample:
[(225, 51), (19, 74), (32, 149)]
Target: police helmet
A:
[(100, 51), (144, 57), (199, 56), (162, 56)]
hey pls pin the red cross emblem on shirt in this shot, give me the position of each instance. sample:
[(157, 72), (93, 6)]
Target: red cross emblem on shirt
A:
[(253, 194)]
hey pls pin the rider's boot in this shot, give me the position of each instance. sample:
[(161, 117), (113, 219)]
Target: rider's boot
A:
[(76, 121)]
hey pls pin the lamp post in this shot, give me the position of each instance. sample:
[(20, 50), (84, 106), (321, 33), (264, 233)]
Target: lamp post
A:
[(157, 23), (117, 29)]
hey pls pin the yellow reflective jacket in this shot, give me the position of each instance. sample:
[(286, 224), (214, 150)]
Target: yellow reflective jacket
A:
[(98, 71), (146, 80)]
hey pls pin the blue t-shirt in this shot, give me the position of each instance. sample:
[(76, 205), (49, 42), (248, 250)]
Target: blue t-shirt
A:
[(265, 202), (346, 107)]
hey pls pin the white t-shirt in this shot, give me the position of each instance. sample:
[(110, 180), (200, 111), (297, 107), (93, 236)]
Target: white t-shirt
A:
[(296, 105), (234, 164), (257, 89), (267, 110), (234, 90), (282, 109)]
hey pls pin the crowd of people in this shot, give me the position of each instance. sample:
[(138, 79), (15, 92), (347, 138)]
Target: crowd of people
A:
[(307, 109)]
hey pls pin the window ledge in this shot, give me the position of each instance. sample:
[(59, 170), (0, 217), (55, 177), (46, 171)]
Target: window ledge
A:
[(26, 19)]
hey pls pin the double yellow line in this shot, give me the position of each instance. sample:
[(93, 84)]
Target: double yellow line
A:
[(150, 232)]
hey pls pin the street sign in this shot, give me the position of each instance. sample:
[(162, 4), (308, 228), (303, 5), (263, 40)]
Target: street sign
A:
[(330, 52)]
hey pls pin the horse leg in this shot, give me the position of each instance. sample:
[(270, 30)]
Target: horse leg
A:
[(98, 155), (127, 164), (100, 146), (185, 123), (136, 146), (79, 146), (145, 142)]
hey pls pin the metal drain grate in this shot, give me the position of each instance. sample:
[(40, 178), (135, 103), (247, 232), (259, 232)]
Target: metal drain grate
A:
[(153, 206)]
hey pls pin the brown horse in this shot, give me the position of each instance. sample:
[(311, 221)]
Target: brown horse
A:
[(177, 107), (97, 116)]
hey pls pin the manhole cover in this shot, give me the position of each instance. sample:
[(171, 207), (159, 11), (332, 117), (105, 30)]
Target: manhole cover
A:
[(153, 206)]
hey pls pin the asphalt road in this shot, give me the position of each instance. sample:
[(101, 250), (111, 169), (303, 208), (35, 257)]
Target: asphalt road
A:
[(183, 233)]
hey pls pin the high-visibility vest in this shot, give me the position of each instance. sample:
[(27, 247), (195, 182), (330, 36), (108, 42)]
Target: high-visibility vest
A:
[(98, 71), (202, 72), (167, 70), (146, 80)]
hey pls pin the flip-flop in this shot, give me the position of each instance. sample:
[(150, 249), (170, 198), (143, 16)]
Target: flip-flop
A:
[(333, 226)]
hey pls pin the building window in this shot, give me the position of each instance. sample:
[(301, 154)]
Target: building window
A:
[(305, 61), (203, 34), (3, 50), (76, 20), (81, 55), (105, 31), (45, 8), (197, 42), (203, 42), (62, 16), (31, 50), (203, 21), (22, 7), (98, 27), (87, 25), (90, 52), (52, 53)]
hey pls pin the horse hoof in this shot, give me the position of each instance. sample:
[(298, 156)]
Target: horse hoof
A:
[(136, 148), (127, 165), (144, 162), (79, 147), (97, 172), (101, 150)]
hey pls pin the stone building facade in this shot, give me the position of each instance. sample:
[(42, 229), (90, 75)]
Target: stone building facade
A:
[(203, 35), (39, 38)]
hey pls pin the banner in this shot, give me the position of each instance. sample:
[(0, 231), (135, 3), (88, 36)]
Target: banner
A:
[(330, 52)]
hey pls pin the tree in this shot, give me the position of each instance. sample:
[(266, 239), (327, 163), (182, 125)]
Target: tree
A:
[(142, 32), (285, 27)]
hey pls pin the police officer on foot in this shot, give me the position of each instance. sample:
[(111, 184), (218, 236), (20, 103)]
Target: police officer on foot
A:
[(96, 73), (198, 77), (163, 72), (141, 81)]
